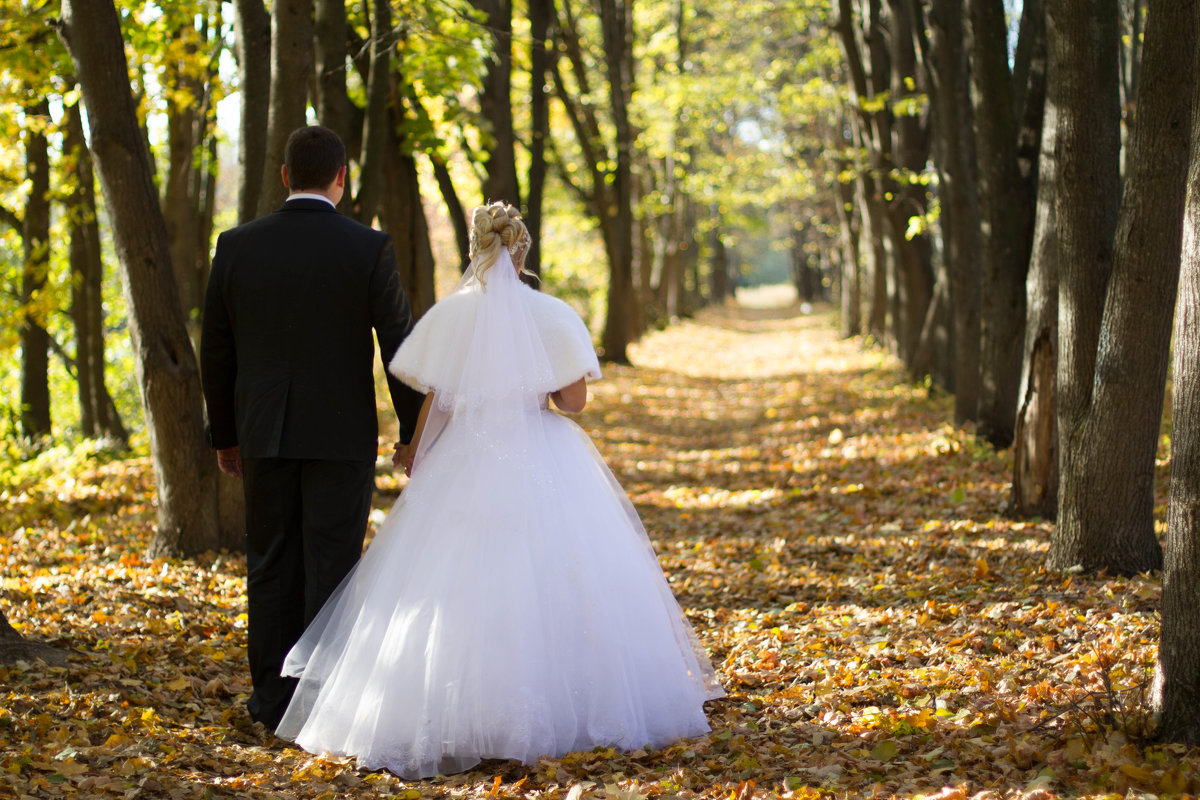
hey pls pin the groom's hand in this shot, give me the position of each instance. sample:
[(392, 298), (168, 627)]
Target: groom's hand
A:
[(230, 461)]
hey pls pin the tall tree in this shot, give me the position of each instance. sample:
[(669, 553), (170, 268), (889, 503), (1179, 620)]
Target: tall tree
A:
[(98, 414), (1083, 92), (292, 29), (867, 87), (909, 155), (1110, 430), (333, 106), (35, 341), (185, 469), (610, 168), (1035, 443), (1178, 679), (616, 25), (252, 24), (1006, 210), (499, 160), (954, 153), (378, 117), (189, 76), (541, 18)]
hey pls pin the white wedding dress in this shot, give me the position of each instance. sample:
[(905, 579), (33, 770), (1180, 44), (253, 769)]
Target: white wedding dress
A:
[(511, 605)]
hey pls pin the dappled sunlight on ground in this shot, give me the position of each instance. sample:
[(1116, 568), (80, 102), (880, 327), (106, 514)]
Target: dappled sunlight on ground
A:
[(882, 628)]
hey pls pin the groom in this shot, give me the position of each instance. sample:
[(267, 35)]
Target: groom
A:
[(287, 365)]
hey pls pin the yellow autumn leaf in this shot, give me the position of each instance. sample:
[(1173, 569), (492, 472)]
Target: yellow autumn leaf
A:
[(117, 740), (1137, 773), (884, 751)]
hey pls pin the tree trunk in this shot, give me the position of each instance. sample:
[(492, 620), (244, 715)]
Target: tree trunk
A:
[(934, 355), (35, 342), (960, 209), (332, 102), (457, 214), (1106, 504), (98, 417), (1133, 15), (1006, 209), (851, 293), (403, 216), (291, 69), (184, 88), (910, 154), (13, 647), (185, 469), (719, 258), (872, 205), (1035, 444), (378, 118), (616, 19), (1178, 680), (499, 161), (541, 15), (253, 26), (1087, 146)]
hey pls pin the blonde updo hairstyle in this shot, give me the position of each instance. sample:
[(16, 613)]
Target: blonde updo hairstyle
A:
[(493, 226)]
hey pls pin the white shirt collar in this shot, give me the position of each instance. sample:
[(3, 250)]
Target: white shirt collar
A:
[(309, 196)]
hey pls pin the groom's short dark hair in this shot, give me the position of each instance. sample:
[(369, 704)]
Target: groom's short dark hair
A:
[(313, 155)]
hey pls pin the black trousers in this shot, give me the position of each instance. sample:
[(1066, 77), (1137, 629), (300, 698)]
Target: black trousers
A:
[(305, 524)]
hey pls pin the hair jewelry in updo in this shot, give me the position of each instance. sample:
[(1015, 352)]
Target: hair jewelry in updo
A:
[(493, 226)]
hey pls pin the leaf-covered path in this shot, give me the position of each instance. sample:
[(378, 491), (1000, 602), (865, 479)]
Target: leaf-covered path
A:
[(881, 628)]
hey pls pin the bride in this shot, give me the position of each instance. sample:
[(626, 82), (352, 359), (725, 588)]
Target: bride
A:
[(511, 605)]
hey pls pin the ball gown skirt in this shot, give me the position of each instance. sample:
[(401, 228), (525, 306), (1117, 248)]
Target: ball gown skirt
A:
[(510, 607)]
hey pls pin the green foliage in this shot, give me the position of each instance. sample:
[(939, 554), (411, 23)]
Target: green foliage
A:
[(25, 464), (441, 45)]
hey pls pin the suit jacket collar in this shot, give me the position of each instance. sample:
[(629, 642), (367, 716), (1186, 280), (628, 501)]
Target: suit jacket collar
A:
[(307, 204)]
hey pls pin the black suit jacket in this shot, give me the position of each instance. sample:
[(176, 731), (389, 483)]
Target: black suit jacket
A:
[(286, 353)]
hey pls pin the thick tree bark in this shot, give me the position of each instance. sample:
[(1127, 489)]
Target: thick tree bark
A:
[(35, 342), (1106, 504), (98, 415), (1178, 679), (499, 161), (253, 26), (185, 468), (1006, 209), (1035, 444), (1083, 93), (292, 29), (960, 209)]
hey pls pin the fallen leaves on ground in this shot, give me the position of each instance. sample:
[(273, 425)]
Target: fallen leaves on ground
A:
[(881, 627)]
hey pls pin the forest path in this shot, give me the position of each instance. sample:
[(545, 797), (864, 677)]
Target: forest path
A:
[(880, 628)]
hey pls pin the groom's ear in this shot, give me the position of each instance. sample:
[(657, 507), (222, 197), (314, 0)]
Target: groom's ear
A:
[(341, 176), (284, 175)]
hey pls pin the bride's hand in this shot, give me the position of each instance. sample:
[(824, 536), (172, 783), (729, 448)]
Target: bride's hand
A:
[(403, 457)]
